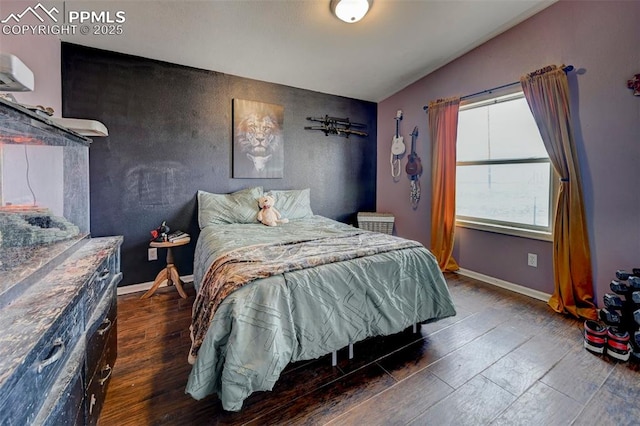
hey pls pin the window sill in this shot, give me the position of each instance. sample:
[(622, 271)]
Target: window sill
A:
[(506, 230)]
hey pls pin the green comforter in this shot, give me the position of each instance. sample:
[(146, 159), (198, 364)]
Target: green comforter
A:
[(304, 314)]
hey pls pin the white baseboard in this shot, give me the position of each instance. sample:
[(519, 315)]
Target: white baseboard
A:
[(135, 288), (505, 284)]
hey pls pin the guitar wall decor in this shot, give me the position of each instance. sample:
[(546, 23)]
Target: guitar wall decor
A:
[(397, 148), (414, 166), (414, 170)]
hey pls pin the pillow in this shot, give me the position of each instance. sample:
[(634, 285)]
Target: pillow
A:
[(293, 204), (238, 207)]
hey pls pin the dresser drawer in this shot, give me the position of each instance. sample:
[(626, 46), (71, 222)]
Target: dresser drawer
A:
[(65, 402), (97, 285), (102, 332), (99, 382), (36, 380)]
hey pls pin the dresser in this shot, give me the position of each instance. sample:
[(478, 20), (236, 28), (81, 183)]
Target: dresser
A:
[(58, 311), (58, 340)]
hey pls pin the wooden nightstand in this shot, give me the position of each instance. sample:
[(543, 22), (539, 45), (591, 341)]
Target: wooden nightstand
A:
[(170, 272)]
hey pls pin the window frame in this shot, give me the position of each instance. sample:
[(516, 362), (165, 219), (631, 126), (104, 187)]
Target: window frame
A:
[(502, 227)]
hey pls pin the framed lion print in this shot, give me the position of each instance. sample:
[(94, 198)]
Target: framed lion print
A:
[(258, 144)]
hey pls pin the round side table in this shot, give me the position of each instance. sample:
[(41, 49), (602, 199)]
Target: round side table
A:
[(170, 272)]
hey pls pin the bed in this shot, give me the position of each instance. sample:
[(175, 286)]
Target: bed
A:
[(269, 296)]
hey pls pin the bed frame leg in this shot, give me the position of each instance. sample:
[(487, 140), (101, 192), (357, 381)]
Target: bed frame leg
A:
[(350, 350), (415, 328), (334, 358)]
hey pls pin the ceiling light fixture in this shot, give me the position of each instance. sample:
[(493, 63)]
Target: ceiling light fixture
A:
[(350, 11)]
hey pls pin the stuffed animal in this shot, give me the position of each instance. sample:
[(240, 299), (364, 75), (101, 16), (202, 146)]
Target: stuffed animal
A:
[(268, 214)]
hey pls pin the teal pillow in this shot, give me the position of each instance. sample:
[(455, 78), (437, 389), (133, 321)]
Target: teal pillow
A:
[(293, 204), (238, 207)]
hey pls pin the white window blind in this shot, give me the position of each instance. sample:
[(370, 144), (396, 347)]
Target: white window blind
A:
[(504, 179)]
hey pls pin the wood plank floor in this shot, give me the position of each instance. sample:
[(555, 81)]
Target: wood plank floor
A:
[(505, 359)]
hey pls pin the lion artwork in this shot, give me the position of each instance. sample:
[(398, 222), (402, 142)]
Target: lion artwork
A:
[(258, 136)]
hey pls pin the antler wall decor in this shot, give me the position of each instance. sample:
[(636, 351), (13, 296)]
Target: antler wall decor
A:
[(634, 84)]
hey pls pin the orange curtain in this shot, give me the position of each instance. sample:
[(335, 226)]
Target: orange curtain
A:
[(547, 92), (443, 131)]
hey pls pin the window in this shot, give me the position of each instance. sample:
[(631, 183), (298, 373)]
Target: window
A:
[(504, 179)]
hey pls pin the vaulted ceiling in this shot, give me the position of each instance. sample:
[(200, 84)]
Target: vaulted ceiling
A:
[(300, 43)]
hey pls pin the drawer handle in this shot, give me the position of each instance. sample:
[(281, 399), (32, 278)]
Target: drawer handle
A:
[(116, 278), (107, 369), (92, 403), (104, 274), (58, 346), (107, 326)]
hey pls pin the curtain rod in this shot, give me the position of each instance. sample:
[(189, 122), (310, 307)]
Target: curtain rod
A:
[(566, 69)]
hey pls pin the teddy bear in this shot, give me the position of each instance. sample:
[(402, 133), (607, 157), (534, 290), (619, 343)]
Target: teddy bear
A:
[(268, 214)]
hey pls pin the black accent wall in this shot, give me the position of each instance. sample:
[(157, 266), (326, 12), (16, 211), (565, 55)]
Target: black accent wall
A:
[(170, 134)]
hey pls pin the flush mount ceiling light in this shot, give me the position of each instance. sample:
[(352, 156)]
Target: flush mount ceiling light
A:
[(350, 11)]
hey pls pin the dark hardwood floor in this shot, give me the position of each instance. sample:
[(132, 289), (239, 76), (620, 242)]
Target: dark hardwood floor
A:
[(505, 359)]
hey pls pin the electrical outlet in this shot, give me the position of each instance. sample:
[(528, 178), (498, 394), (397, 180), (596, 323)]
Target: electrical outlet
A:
[(153, 254), (532, 260)]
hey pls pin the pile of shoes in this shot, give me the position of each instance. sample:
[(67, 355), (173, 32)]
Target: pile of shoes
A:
[(619, 337)]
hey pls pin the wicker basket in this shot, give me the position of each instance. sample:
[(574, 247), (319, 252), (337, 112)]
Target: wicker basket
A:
[(377, 222)]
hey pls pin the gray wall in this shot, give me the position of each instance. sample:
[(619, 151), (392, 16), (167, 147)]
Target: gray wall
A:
[(170, 134)]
